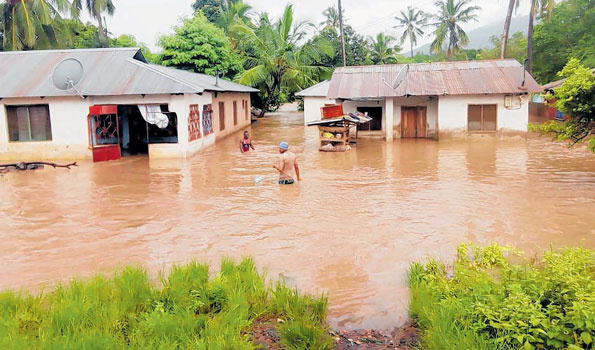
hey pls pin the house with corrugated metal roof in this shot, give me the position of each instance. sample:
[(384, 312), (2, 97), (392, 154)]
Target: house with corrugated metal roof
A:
[(435, 100), (122, 106)]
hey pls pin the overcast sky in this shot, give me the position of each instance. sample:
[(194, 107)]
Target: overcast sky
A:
[(148, 19)]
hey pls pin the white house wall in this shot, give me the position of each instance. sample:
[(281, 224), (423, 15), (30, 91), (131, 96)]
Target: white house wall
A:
[(312, 107), (452, 112), (70, 135)]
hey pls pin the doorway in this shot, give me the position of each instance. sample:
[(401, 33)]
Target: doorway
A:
[(376, 114), (413, 122), (134, 131)]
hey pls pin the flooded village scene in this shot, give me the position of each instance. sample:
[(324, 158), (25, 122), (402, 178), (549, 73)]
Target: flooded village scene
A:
[(212, 174)]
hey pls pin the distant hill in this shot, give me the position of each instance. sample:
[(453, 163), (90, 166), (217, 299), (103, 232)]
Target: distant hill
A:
[(479, 38)]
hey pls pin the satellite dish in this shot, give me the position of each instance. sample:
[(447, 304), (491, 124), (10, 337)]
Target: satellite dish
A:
[(68, 74)]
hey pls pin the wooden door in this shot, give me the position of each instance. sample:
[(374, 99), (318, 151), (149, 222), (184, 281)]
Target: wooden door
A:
[(413, 122), (408, 122), (420, 123), (221, 116)]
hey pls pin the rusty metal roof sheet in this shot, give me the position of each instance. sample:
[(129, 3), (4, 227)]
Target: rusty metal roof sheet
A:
[(426, 79), (108, 72)]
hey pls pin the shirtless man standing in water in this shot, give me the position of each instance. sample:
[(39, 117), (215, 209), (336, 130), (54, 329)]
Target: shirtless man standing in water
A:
[(287, 166)]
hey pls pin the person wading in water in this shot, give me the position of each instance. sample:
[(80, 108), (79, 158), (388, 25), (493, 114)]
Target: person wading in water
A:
[(246, 143), (287, 166)]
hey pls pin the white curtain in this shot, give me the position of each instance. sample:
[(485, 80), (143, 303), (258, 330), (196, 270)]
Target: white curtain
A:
[(152, 114)]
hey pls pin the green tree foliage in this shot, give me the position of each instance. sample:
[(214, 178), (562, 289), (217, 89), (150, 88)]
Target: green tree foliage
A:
[(413, 21), (199, 46), (357, 48), (516, 48), (96, 9), (86, 35), (448, 33), (237, 12), (569, 33), (489, 303), (33, 24), (383, 49), (212, 9), (277, 60), (576, 99), (126, 40)]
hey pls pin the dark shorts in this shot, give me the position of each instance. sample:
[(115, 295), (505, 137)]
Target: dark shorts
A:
[(286, 182)]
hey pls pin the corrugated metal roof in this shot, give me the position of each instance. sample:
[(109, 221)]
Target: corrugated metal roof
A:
[(426, 79), (318, 90), (108, 72)]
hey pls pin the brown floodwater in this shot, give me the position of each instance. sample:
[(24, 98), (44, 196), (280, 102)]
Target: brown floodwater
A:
[(350, 229)]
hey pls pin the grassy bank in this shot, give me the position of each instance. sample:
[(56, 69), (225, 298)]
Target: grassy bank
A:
[(487, 302), (189, 310)]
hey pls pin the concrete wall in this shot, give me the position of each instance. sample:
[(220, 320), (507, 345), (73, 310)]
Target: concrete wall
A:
[(452, 114), (312, 107), (70, 137), (244, 116), (70, 140)]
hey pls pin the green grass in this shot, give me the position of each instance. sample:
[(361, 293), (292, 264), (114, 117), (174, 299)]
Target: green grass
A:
[(491, 303), (190, 310)]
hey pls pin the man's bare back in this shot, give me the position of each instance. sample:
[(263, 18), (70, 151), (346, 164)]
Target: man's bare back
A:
[(287, 163), (287, 166)]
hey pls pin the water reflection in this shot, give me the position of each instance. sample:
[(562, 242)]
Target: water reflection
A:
[(350, 228)]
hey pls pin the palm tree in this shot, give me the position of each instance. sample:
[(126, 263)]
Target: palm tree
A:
[(277, 60), (32, 24), (237, 11), (383, 50), (448, 30), (512, 5), (541, 7), (414, 21), (331, 15), (96, 9)]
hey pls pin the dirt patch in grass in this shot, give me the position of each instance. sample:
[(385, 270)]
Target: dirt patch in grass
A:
[(402, 338), (264, 333)]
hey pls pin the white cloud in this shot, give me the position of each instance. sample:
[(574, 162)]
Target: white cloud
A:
[(148, 19)]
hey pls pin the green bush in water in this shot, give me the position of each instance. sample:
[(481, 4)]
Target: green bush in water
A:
[(490, 303), (190, 310)]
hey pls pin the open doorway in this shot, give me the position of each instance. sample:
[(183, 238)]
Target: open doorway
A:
[(376, 114), (136, 133)]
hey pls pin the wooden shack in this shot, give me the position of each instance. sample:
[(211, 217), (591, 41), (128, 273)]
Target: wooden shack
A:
[(334, 128)]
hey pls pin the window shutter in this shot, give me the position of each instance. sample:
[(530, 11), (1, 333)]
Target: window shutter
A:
[(39, 117), (474, 122), (13, 123), (489, 118)]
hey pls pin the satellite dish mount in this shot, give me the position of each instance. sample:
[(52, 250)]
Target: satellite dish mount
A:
[(67, 75)]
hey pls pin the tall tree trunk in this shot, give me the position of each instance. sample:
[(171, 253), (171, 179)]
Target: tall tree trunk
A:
[(511, 4), (530, 36), (411, 41)]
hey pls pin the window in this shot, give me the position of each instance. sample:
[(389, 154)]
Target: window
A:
[(221, 116), (235, 113), (482, 118), (29, 123), (245, 105), (194, 123), (207, 121)]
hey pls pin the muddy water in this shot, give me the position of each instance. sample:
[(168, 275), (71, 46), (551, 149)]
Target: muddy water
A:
[(349, 229)]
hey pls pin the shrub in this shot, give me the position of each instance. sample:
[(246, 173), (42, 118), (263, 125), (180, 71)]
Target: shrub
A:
[(490, 303), (191, 310)]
